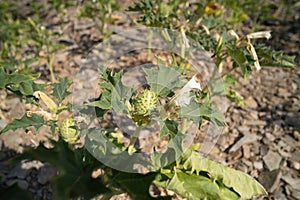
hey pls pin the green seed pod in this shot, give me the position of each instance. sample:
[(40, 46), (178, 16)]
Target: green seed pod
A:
[(144, 102), (68, 131)]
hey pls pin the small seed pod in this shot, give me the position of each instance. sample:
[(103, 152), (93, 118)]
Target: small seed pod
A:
[(144, 102), (68, 131)]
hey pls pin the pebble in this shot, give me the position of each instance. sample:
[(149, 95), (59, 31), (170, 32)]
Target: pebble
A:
[(45, 173), (3, 123), (254, 123), (246, 139), (295, 164), (251, 103), (23, 184), (272, 160), (18, 172), (258, 165), (270, 179), (246, 151), (270, 137)]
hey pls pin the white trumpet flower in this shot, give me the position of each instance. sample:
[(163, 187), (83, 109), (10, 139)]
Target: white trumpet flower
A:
[(260, 34), (183, 97)]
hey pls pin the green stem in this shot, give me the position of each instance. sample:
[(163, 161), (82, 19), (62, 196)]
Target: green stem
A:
[(50, 65), (184, 125), (134, 139)]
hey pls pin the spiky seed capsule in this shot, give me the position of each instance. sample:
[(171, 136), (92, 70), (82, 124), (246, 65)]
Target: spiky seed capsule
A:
[(145, 101), (68, 131)]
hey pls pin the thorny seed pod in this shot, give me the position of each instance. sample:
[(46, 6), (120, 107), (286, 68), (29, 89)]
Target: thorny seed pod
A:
[(68, 131), (144, 102)]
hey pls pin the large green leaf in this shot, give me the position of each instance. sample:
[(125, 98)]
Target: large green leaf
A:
[(243, 184), (60, 90), (103, 102), (270, 57), (20, 84), (163, 80), (195, 111), (193, 187), (34, 120), (241, 58)]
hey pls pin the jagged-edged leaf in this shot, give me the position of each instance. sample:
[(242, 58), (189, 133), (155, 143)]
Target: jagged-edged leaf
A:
[(119, 96), (270, 57), (60, 90), (12, 79), (74, 170), (169, 128), (103, 101), (110, 153), (195, 111), (241, 58), (110, 77), (20, 84), (243, 184), (163, 80), (33, 120)]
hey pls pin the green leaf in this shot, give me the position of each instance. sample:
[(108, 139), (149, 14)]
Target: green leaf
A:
[(195, 111), (246, 186), (26, 88), (193, 187), (103, 102), (169, 128), (35, 120), (268, 57), (241, 57), (60, 90), (120, 95), (163, 80)]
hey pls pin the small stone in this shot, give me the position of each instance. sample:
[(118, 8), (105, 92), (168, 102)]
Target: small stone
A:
[(46, 172), (243, 129), (270, 179), (293, 121), (3, 123), (295, 165), (270, 137), (258, 165), (272, 160), (296, 135), (246, 139), (11, 182), (283, 92), (18, 172), (23, 184), (295, 183), (251, 103), (246, 151), (263, 150), (254, 123)]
